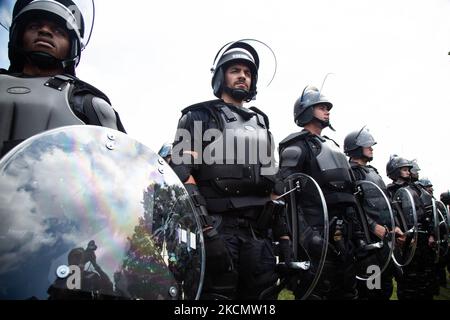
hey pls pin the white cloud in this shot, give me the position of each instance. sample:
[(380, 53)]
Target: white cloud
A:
[(61, 193)]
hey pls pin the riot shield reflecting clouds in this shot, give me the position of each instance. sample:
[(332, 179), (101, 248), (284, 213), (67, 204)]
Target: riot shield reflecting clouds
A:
[(88, 212)]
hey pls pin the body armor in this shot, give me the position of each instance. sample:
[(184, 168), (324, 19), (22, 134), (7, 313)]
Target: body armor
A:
[(372, 175), (333, 164), (330, 168), (424, 207), (373, 201), (232, 176), (30, 105)]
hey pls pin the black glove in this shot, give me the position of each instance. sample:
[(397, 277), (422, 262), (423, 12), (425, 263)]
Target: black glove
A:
[(200, 204), (218, 259), (285, 248), (278, 214), (361, 251)]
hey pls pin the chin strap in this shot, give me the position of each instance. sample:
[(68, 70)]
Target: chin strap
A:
[(325, 124), (239, 94), (44, 60)]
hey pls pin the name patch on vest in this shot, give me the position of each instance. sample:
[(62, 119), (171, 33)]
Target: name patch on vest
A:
[(19, 90)]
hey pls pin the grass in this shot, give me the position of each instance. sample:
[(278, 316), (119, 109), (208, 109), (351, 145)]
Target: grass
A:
[(443, 295), (286, 295)]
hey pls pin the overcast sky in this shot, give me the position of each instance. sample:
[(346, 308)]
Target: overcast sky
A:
[(389, 59)]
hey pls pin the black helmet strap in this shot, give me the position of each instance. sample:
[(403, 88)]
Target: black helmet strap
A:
[(358, 153), (324, 124), (239, 94), (45, 61)]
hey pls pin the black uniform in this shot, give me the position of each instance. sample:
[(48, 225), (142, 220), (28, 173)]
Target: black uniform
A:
[(370, 205), (234, 193), (445, 199), (417, 279), (30, 105), (320, 158)]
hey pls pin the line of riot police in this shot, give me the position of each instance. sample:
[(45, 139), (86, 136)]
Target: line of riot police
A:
[(224, 221)]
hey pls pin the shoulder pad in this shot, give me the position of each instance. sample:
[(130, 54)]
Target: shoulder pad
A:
[(105, 113), (360, 172), (290, 156), (266, 118), (204, 111), (357, 166), (206, 105), (81, 86), (373, 168), (183, 122), (294, 137), (337, 145), (353, 165)]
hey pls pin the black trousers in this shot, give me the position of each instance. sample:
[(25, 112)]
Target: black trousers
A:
[(386, 286), (418, 279), (337, 281), (338, 278), (253, 263)]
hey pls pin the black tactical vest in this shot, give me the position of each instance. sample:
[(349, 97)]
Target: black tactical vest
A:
[(419, 203), (31, 105), (333, 165), (324, 162), (235, 165), (373, 200)]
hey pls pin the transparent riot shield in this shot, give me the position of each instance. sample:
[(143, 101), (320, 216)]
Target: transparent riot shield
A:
[(377, 253), (309, 226), (441, 228), (406, 220), (89, 213), (444, 227), (436, 232)]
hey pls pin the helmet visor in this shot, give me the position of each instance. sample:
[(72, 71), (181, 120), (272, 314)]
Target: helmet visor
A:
[(79, 14), (365, 139), (267, 60), (6, 9)]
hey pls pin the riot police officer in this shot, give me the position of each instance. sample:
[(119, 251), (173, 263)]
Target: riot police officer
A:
[(445, 199), (398, 169), (318, 156), (427, 185), (417, 279), (358, 146), (215, 155), (414, 172), (166, 152), (40, 90)]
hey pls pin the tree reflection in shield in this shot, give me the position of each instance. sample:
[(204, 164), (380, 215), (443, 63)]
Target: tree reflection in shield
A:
[(159, 264)]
